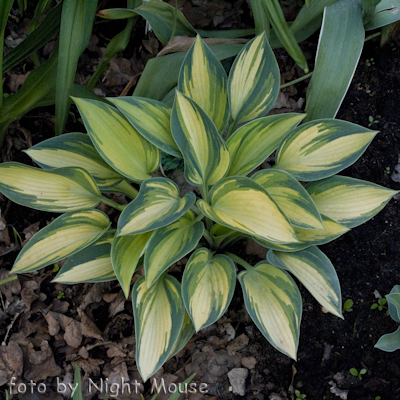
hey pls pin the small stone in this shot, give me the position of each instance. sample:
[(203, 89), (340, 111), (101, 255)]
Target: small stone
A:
[(249, 362), (237, 379)]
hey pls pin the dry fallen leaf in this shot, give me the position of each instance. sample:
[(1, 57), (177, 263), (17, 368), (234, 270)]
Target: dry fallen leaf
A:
[(11, 362), (39, 365), (10, 288)]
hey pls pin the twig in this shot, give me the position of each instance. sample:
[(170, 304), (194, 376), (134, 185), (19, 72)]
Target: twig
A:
[(129, 85), (4, 343)]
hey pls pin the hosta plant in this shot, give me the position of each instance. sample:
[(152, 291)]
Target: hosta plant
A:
[(391, 341), (218, 126)]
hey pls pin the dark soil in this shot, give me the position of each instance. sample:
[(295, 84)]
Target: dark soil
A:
[(367, 259)]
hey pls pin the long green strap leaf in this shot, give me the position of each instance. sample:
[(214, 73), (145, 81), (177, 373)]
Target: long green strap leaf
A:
[(5, 7), (76, 27), (39, 84), (37, 39), (260, 17), (275, 15), (386, 12), (117, 44), (340, 44)]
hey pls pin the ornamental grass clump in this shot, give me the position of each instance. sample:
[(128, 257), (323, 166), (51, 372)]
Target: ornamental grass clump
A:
[(217, 125)]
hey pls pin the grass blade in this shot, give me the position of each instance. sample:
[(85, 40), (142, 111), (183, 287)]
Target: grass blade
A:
[(117, 44), (40, 83), (260, 17), (5, 7), (76, 27), (38, 38), (285, 35)]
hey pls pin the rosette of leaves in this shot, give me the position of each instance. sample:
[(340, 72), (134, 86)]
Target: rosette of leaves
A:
[(391, 341), (217, 125)]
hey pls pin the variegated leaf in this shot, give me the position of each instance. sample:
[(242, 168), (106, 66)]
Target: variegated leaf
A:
[(92, 264), (349, 201), (242, 204), (74, 150), (204, 151), (125, 255), (251, 144), (274, 303), (169, 244), (186, 333), (117, 141), (208, 284), (159, 314), (158, 204), (309, 237), (203, 79), (57, 190), (152, 120), (254, 81), (322, 148), (316, 272), (66, 235), (291, 197)]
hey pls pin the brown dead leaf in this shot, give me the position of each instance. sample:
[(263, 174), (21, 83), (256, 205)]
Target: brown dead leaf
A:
[(59, 306), (16, 81), (89, 328), (74, 330), (10, 288), (73, 333), (39, 365), (11, 362), (109, 297), (115, 351), (54, 326), (117, 305), (238, 344), (29, 231), (28, 297), (90, 366), (95, 294)]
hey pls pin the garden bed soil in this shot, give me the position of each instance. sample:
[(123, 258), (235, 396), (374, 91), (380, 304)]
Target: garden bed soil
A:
[(367, 260)]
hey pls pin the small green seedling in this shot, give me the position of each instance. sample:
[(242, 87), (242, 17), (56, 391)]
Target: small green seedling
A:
[(369, 62), (17, 236), (378, 398), (61, 295), (56, 268), (299, 395), (354, 372), (380, 305), (348, 305), (387, 170), (372, 121)]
